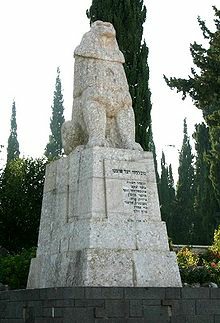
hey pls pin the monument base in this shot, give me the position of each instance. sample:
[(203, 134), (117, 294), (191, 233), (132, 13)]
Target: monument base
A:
[(101, 225)]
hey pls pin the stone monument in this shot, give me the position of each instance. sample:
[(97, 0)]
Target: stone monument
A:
[(100, 222)]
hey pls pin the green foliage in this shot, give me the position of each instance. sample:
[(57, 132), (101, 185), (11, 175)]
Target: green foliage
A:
[(13, 145), (205, 205), (167, 195), (14, 268), (53, 149), (201, 269), (183, 221), (186, 258), (214, 156), (203, 86), (199, 275), (128, 17), (21, 190), (215, 248)]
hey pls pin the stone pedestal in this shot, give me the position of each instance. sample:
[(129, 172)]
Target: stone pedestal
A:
[(101, 225)]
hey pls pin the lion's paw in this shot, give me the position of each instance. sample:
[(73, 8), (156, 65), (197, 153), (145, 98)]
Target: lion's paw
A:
[(134, 146), (97, 143)]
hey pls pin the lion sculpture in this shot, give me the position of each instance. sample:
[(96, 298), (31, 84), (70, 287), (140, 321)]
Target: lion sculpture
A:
[(102, 113)]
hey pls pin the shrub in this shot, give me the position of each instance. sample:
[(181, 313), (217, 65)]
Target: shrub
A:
[(215, 247), (209, 264), (14, 268), (193, 275), (186, 258)]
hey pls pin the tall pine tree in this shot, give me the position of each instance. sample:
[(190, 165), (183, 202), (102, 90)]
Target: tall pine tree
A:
[(167, 194), (54, 147), (128, 17), (13, 145), (206, 206), (184, 214), (203, 86), (164, 189)]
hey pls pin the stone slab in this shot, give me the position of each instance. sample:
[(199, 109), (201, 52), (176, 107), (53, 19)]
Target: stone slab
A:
[(105, 267), (101, 224)]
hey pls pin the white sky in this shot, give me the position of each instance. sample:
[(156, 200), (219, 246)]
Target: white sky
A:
[(37, 36)]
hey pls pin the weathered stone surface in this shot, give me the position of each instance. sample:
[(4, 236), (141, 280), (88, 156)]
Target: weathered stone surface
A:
[(100, 222), (90, 236), (102, 113)]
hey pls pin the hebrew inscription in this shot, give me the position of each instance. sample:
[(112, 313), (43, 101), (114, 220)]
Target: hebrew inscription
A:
[(126, 187), (135, 196)]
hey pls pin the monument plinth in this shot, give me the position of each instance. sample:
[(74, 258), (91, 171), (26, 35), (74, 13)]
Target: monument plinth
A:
[(100, 222)]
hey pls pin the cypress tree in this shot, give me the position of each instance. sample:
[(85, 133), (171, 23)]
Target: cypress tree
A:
[(167, 195), (54, 147), (128, 17), (172, 203), (184, 215), (206, 206), (164, 189), (171, 183), (13, 145), (152, 148), (203, 86)]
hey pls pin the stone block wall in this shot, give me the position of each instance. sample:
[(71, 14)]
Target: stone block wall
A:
[(110, 304)]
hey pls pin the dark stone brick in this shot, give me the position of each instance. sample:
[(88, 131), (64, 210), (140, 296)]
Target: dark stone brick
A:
[(51, 293), (178, 319), (153, 312), (35, 306), (181, 306), (74, 292), (78, 315), (28, 314), (211, 306), (156, 319), (100, 312), (112, 292), (89, 302), (58, 303), (47, 311), (117, 308), (113, 308), (42, 320), (168, 302), (200, 319), (144, 292), (49, 320), (4, 295), (195, 293), (104, 292), (15, 310), (173, 293), (215, 292), (136, 308), (58, 312), (147, 302), (217, 318), (24, 294), (93, 292), (12, 321), (115, 320), (3, 309), (135, 320)]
